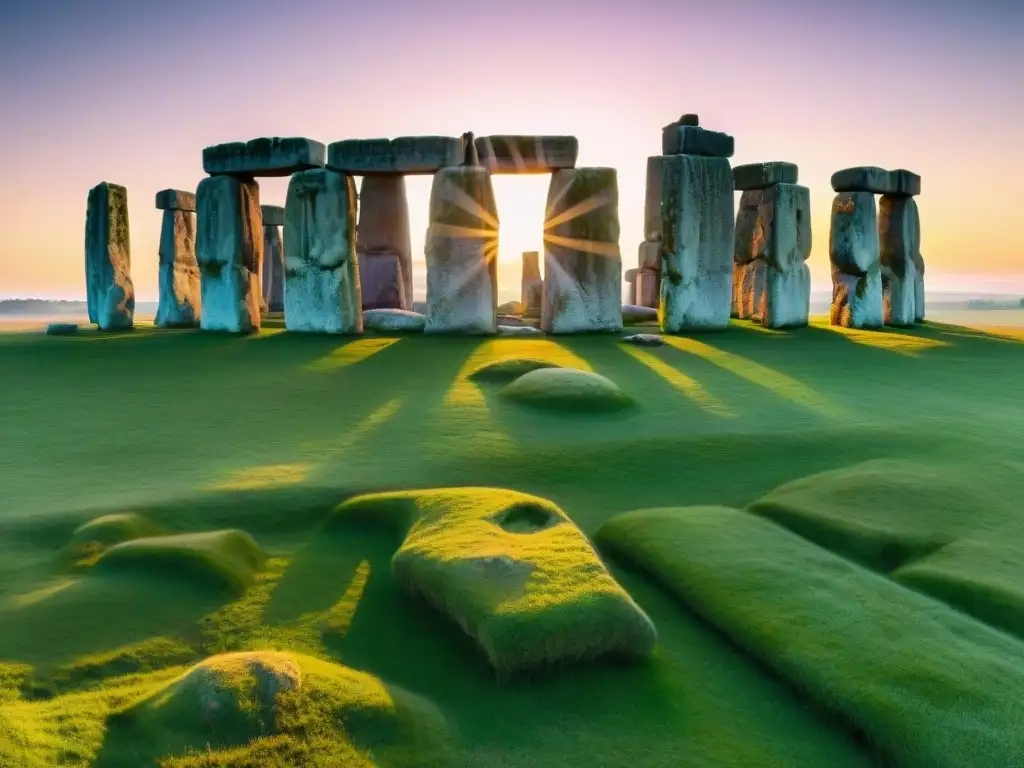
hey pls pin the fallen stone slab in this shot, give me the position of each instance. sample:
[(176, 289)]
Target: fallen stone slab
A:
[(853, 236), (229, 250), (274, 156), (644, 339), (864, 178), (61, 329), (519, 330), (382, 282), (692, 140), (461, 253), (410, 155), (633, 313), (108, 282), (273, 215), (175, 200), (582, 262), (527, 154), (905, 182), (180, 298), (322, 292), (393, 321), (762, 175), (384, 229)]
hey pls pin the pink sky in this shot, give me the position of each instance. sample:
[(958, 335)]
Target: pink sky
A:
[(132, 96)]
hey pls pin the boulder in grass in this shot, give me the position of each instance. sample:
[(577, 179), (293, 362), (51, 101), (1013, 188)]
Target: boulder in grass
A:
[(645, 340), (633, 313), (567, 389), (393, 321), (61, 329), (513, 572), (519, 330)]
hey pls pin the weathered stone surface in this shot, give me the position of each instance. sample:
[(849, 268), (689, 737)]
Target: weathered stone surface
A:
[(863, 178), (629, 277), (649, 256), (761, 175), (229, 249), (582, 262), (645, 340), (461, 253), (175, 200), (857, 299), (384, 228), (273, 156), (787, 297), (273, 262), (853, 237), (635, 313), (899, 242), (519, 330), (471, 157), (510, 309), (774, 224), (393, 321), (689, 119), (181, 303), (749, 290), (905, 182), (413, 155), (919, 287), (692, 140), (753, 219), (382, 281), (61, 329), (322, 290), (527, 154), (532, 288), (108, 281), (697, 228), (273, 215), (648, 288)]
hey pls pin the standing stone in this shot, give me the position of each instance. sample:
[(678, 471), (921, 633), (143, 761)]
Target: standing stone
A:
[(918, 287), (461, 253), (648, 288), (856, 270), (108, 280), (384, 231), (582, 262), (899, 242), (692, 201), (181, 300), (229, 249), (532, 292), (322, 293), (630, 277), (273, 258)]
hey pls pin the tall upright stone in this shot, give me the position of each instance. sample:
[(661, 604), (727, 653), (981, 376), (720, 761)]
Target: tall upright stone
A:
[(899, 241), (648, 278), (629, 276), (461, 253), (322, 292), (919, 287), (181, 304), (108, 280), (273, 258), (383, 236), (532, 292), (771, 280), (856, 270), (229, 249), (688, 213), (582, 261)]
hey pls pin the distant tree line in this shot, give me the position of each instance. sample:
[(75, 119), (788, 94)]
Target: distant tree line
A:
[(39, 306), (995, 304)]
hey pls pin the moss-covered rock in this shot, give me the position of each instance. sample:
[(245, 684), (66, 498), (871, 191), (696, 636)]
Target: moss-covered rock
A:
[(567, 389)]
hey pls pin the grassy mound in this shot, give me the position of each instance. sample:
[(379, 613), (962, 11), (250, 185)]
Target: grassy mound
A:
[(513, 571), (886, 512), (509, 369), (927, 685), (90, 539), (983, 579), (276, 708), (228, 558), (567, 389)]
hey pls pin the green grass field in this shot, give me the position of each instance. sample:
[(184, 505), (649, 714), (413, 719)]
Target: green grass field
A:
[(823, 526)]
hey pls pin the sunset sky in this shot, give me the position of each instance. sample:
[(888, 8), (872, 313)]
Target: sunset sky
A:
[(131, 92)]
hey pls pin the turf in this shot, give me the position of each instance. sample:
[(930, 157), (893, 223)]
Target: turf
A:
[(512, 571), (268, 434), (567, 389)]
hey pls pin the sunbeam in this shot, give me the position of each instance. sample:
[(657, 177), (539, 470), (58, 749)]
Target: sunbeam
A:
[(681, 382), (349, 354)]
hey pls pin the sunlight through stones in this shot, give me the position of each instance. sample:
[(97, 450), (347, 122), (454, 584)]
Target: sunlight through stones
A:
[(349, 354), (681, 382)]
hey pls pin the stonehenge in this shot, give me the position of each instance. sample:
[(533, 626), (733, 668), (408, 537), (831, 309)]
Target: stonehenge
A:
[(272, 280), (181, 303), (689, 214), (877, 269), (108, 281), (532, 288), (383, 244), (771, 280)]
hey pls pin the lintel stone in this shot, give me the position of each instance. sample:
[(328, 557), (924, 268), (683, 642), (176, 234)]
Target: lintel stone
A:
[(679, 139), (864, 178), (527, 154), (764, 175), (689, 118), (175, 200), (905, 182), (411, 155), (273, 156), (273, 215)]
